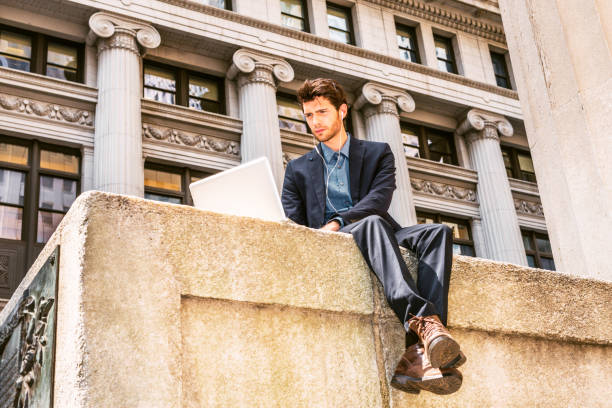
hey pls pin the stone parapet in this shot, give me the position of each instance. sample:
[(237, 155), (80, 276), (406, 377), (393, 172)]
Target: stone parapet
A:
[(161, 305)]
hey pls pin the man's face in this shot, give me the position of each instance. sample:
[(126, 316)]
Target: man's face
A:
[(323, 118)]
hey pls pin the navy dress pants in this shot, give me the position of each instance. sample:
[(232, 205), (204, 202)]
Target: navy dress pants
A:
[(433, 245)]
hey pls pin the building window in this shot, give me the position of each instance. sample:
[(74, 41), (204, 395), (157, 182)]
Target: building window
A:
[(502, 77), (294, 14), (222, 4), (518, 164), (340, 24), (445, 54), (290, 114), (462, 235), (538, 250), (178, 86), (41, 54), (407, 43), (428, 143), (169, 184)]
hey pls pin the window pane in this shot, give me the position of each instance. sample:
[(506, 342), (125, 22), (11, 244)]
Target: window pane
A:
[(527, 242), (12, 186), (408, 56), (443, 50), (162, 198), (502, 81), (425, 219), (531, 261), (47, 223), (339, 36), (59, 161), (410, 139), (543, 245), (292, 22), (337, 19), (214, 3), (13, 153), (203, 88), (205, 105), (159, 96), (460, 249), (63, 55), (293, 7), (15, 44), (548, 263), (56, 193), (405, 38), (61, 73), (14, 63), (162, 179), (296, 126), (289, 108), (159, 78), (10, 222), (499, 64), (525, 162), (411, 151)]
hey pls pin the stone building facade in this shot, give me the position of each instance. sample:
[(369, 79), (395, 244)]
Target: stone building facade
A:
[(143, 97)]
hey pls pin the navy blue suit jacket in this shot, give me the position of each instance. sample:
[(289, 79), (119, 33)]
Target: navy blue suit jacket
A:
[(372, 178)]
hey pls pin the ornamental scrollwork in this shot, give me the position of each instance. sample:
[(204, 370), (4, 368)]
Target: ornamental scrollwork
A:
[(46, 110), (180, 137), (528, 207), (443, 190)]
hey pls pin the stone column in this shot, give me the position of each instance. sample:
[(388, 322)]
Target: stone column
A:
[(380, 108), (479, 246), (256, 74), (562, 62), (87, 165), (118, 134), (500, 229)]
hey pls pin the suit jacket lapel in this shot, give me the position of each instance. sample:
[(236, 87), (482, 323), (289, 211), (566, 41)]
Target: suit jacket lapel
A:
[(356, 152), (317, 181)]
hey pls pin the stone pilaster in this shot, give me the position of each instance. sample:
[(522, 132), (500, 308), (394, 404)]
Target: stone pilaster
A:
[(257, 73), (379, 104), (118, 134), (500, 229), (477, 237), (87, 165)]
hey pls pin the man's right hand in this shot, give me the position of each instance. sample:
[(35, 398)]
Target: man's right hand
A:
[(331, 226)]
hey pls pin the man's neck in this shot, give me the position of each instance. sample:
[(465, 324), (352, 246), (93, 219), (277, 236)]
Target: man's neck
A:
[(336, 142)]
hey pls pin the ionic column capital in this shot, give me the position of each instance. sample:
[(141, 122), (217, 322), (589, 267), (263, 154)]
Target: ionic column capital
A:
[(121, 32), (478, 124), (259, 67), (383, 99)]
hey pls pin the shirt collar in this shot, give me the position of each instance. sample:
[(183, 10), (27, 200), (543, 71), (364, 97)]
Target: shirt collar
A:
[(328, 153)]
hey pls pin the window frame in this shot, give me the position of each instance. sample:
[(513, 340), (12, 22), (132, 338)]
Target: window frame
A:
[(440, 218), (349, 16), (536, 252), (181, 97), (502, 57), (412, 30), (40, 47), (305, 17), (424, 151), (185, 172), (516, 169), (449, 42)]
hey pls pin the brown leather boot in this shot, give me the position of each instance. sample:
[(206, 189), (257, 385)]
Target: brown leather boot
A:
[(415, 373), (441, 349)]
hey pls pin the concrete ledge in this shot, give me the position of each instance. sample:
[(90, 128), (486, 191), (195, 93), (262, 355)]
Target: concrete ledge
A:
[(169, 306)]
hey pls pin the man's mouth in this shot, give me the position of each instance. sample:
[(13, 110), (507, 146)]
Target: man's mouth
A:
[(319, 130)]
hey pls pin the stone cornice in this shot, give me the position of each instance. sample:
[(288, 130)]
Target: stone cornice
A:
[(524, 187), (47, 85), (441, 170), (337, 46), (445, 17)]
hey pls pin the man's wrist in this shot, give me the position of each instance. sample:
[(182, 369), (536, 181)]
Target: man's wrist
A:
[(339, 220)]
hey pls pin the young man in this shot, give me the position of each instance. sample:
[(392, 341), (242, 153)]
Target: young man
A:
[(346, 185)]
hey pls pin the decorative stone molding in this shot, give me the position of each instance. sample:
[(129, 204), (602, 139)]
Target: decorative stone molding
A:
[(479, 124), (287, 157), (259, 67), (386, 99), (121, 32), (180, 137), (341, 47), (46, 110), (528, 207), (443, 190)]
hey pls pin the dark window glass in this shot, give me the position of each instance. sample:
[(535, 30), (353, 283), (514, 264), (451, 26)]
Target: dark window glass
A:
[(407, 43), (293, 14), (62, 61), (428, 143), (538, 250), (204, 94), (518, 164), (159, 84), (12, 186), (290, 115), (501, 70), (222, 4), (169, 184), (462, 235), (445, 54), (15, 50), (340, 24)]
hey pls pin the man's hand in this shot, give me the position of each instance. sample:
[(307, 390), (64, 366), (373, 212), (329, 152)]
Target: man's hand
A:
[(333, 225)]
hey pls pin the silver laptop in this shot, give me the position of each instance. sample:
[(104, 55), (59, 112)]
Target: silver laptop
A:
[(247, 190)]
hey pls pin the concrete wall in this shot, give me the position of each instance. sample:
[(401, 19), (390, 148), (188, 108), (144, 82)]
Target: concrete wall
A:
[(162, 305)]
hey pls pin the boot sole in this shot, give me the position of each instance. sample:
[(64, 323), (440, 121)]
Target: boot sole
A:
[(441, 385), (442, 351), (457, 362)]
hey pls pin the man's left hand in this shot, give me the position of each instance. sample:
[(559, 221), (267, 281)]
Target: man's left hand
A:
[(331, 226)]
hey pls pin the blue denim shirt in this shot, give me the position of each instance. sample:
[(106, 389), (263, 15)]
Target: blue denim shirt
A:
[(339, 187)]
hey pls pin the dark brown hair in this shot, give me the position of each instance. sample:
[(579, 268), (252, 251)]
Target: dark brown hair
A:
[(327, 88)]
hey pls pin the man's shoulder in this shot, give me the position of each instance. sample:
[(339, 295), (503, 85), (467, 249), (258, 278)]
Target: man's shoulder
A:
[(373, 148)]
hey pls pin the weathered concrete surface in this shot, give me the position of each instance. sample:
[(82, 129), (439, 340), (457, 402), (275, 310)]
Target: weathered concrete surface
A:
[(162, 305)]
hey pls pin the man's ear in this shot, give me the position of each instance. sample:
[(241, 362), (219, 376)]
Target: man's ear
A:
[(343, 110)]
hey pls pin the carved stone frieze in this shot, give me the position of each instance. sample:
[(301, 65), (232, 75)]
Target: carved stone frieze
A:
[(387, 99), (259, 67), (180, 137), (443, 190), (528, 207), (4, 271), (479, 124), (46, 110)]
